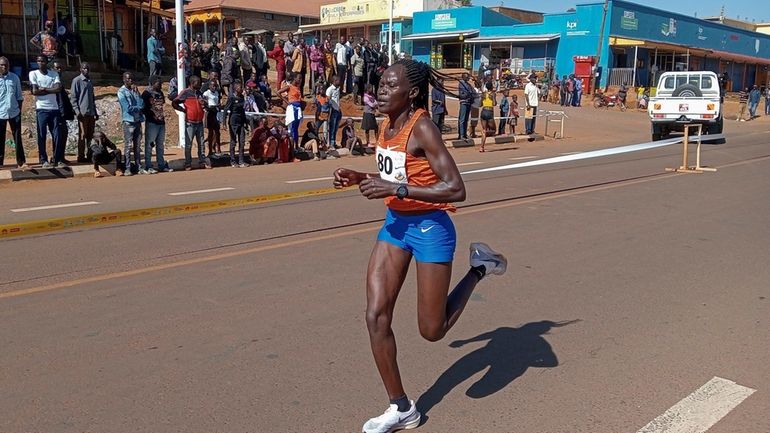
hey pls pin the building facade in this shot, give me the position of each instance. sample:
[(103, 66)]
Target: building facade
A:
[(369, 19), (638, 43)]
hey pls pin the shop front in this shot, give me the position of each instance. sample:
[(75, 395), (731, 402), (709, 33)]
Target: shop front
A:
[(445, 38)]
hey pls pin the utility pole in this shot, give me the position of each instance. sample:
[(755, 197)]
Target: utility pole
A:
[(596, 78), (390, 34), (180, 65)]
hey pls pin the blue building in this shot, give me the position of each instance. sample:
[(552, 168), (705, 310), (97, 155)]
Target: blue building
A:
[(638, 43)]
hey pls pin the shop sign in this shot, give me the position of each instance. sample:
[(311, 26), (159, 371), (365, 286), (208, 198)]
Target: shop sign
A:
[(629, 21), (701, 36), (443, 22), (571, 26), (669, 28)]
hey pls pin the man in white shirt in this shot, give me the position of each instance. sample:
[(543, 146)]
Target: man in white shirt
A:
[(341, 57), (531, 100), (335, 113), (46, 85)]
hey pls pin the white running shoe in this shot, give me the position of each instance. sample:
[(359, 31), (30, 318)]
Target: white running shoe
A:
[(494, 262), (393, 420)]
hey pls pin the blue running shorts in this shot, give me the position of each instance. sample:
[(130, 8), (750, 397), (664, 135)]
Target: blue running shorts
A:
[(430, 237)]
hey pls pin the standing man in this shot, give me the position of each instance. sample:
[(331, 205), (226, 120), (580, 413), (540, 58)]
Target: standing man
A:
[(341, 57), (767, 100), (438, 107), (154, 125), (335, 112), (259, 57), (245, 48), (467, 95), (46, 41), (11, 99), (84, 105), (288, 53), (154, 53), (743, 99), (131, 114), (299, 64), (45, 86), (190, 101), (65, 107), (578, 96), (754, 97), (532, 101)]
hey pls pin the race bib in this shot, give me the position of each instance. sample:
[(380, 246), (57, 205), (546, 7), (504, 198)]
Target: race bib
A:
[(392, 165)]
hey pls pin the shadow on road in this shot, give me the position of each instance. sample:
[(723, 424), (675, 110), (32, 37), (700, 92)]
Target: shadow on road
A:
[(508, 354)]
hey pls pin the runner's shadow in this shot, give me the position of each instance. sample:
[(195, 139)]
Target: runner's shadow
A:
[(508, 354)]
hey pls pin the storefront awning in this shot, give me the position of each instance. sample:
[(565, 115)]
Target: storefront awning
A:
[(307, 28), (522, 38), (650, 45), (739, 57), (441, 35), (204, 16)]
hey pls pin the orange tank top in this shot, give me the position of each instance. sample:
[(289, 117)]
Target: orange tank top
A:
[(295, 95), (397, 165)]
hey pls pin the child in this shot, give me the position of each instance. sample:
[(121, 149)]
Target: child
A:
[(505, 108), (350, 139), (213, 99), (103, 151), (514, 110), (282, 142), (264, 88), (370, 122), (322, 111)]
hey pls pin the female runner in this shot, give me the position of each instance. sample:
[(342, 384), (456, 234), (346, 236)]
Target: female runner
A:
[(419, 180)]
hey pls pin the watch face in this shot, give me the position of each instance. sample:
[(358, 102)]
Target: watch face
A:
[(401, 192)]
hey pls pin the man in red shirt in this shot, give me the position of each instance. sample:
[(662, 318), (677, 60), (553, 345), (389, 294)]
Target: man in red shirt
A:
[(190, 101)]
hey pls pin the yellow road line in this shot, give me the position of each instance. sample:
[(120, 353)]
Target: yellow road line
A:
[(80, 221), (303, 241)]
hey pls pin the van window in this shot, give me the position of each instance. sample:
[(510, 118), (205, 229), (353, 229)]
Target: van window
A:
[(669, 83), (695, 80), (681, 80), (706, 82)]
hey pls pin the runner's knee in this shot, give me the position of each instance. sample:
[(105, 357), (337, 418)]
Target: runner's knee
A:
[(432, 331)]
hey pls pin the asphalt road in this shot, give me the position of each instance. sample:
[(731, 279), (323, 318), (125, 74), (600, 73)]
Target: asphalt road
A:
[(628, 289)]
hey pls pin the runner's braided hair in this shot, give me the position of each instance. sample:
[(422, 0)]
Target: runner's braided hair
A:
[(423, 76)]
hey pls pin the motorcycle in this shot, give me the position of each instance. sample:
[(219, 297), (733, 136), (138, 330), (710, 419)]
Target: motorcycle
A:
[(607, 101)]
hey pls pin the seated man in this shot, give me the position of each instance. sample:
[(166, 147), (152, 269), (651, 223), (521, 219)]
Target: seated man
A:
[(350, 139), (103, 151), (262, 146), (312, 141)]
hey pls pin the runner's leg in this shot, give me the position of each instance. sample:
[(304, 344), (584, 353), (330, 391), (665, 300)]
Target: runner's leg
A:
[(388, 266), (437, 312)]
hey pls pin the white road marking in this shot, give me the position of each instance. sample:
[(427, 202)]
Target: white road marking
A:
[(317, 179), (700, 410), (462, 164), (521, 158), (201, 191), (55, 206), (584, 155)]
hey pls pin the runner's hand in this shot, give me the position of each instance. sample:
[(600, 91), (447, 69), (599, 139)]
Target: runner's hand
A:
[(374, 188), (344, 177)]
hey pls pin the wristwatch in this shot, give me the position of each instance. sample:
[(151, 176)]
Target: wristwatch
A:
[(402, 192)]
